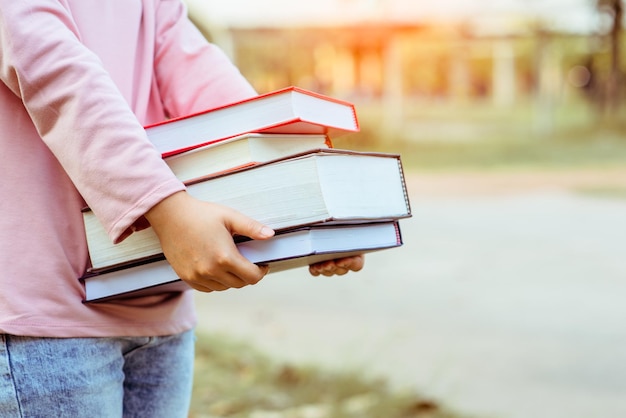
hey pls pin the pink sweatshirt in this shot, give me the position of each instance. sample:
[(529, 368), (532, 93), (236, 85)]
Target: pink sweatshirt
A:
[(79, 80)]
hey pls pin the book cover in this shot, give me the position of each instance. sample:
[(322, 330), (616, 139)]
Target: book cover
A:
[(318, 186), (291, 110), (288, 250), (241, 151)]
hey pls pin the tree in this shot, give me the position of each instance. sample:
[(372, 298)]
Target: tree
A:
[(615, 10)]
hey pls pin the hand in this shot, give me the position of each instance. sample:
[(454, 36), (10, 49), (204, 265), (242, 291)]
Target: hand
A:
[(197, 240), (339, 266)]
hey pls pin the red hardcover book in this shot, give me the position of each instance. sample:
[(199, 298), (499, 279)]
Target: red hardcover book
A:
[(291, 110)]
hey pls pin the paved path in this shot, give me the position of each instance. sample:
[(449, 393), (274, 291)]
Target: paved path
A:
[(510, 305)]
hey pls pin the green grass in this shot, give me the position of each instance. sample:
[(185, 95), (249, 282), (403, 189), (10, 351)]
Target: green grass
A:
[(556, 152), (605, 192), (233, 379)]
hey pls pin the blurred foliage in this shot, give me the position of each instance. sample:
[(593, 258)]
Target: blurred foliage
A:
[(233, 379), (429, 63), (456, 95), (443, 137)]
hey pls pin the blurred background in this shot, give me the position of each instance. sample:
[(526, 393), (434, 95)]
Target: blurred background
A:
[(431, 72), (507, 298)]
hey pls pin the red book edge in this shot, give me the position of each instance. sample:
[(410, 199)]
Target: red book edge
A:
[(326, 129), (254, 98)]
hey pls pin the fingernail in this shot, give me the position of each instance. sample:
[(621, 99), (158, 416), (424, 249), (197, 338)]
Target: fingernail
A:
[(267, 231)]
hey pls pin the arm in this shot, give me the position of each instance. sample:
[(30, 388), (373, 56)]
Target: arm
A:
[(215, 81), (192, 73), (80, 114), (89, 127)]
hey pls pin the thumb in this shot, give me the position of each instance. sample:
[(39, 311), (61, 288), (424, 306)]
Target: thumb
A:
[(243, 225)]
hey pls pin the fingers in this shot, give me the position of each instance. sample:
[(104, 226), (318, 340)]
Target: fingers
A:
[(328, 268), (240, 224), (228, 271), (354, 263), (338, 267), (224, 283), (230, 268)]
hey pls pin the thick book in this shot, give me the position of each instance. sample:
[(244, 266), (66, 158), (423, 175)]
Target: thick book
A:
[(241, 151), (318, 186), (288, 250), (291, 110)]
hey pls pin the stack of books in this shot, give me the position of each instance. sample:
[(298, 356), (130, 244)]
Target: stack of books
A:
[(271, 158)]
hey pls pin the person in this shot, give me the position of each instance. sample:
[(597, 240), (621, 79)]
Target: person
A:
[(80, 78)]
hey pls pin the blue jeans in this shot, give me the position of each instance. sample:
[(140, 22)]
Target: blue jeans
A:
[(96, 377)]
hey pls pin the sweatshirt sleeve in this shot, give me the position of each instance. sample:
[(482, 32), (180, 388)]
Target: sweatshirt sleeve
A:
[(80, 114)]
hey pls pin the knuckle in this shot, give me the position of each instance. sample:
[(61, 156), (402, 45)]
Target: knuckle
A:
[(223, 258)]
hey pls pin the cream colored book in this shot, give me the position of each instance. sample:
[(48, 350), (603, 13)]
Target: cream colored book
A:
[(241, 151)]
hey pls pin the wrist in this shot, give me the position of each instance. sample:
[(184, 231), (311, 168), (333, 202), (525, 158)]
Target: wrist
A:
[(166, 208)]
